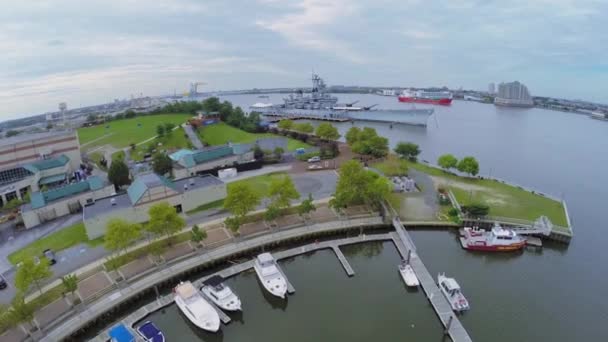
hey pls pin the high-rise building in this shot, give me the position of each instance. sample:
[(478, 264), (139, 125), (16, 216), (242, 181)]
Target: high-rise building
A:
[(513, 94), (491, 88)]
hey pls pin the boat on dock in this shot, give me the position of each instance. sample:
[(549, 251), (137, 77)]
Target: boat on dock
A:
[(451, 290), (221, 294), (408, 275), (195, 307), (269, 274), (120, 333), (498, 239), (150, 332)]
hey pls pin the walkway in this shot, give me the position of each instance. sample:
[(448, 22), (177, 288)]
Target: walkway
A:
[(196, 142), (116, 297)]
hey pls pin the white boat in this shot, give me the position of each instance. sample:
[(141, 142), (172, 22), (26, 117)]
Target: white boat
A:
[(195, 307), (268, 271), (408, 275), (221, 294), (451, 291)]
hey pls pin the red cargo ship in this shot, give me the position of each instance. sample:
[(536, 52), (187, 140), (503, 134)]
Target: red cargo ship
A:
[(431, 97)]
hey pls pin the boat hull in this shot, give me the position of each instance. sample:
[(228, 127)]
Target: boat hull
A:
[(212, 325), (271, 287), (495, 248), (409, 277), (443, 101)]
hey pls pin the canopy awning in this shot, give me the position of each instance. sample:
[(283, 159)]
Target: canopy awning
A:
[(52, 179)]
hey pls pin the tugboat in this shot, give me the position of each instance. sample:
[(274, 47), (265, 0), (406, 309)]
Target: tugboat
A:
[(498, 239), (221, 294), (451, 291), (266, 268)]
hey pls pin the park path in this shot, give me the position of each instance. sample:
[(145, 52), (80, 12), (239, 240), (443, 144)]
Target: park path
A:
[(193, 137)]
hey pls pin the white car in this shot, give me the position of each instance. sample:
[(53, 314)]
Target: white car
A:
[(314, 159)]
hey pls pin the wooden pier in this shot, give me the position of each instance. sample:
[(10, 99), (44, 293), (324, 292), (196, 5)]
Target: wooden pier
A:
[(442, 308), (343, 261)]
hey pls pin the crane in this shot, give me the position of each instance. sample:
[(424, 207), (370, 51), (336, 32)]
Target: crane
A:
[(194, 88)]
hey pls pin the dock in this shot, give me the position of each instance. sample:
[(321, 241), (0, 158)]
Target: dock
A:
[(343, 261), (452, 325)]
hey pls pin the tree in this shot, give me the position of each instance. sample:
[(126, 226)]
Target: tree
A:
[(49, 126), (119, 173), (271, 213), (169, 126), (352, 136), (327, 131), (11, 133), (91, 117), (407, 150), (162, 164), (359, 186), (70, 283), (447, 161), (160, 130), (31, 272), (285, 124), (164, 220), (258, 153), (468, 165), (304, 127), (233, 223), (197, 235), (306, 206), (241, 199), (282, 192), (476, 209), (120, 234), (130, 114), (21, 312), (278, 152)]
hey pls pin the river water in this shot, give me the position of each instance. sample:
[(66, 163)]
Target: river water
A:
[(556, 294)]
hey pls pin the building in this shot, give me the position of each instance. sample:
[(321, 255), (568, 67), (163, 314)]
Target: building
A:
[(146, 191), (491, 88), (513, 94), (188, 163), (69, 199), (31, 161)]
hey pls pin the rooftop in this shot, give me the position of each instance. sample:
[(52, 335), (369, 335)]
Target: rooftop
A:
[(32, 136), (41, 199), (124, 200)]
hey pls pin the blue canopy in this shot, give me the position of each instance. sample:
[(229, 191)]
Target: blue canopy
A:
[(120, 333)]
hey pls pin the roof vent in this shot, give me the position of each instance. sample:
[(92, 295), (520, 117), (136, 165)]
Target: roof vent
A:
[(113, 201)]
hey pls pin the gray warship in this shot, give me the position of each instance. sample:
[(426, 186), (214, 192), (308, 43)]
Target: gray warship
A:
[(320, 104)]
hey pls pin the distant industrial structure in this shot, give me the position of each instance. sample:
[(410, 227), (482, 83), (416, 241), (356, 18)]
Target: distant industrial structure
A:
[(513, 94)]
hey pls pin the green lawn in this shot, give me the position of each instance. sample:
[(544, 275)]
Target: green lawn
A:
[(57, 241), (203, 207), (392, 166), (504, 200), (174, 141), (121, 133), (221, 133)]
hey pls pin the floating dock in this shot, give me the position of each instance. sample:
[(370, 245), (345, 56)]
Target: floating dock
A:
[(343, 261)]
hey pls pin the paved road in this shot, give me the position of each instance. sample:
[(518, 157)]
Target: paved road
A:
[(320, 184), (193, 137)]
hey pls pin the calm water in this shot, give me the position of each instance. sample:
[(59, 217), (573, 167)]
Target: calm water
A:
[(557, 294)]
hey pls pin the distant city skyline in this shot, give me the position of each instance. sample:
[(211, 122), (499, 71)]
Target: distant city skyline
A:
[(86, 53)]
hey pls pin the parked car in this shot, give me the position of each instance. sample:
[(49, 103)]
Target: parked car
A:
[(3, 283), (314, 159), (50, 256)]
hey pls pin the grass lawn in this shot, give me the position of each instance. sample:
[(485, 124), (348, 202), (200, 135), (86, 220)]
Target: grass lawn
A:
[(121, 133), (221, 133), (57, 241), (174, 141), (504, 200), (124, 259), (96, 157), (203, 207), (392, 166)]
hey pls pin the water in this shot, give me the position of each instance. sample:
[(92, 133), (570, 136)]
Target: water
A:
[(556, 294)]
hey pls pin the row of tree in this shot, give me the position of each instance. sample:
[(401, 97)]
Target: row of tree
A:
[(366, 141), (467, 165), (324, 130)]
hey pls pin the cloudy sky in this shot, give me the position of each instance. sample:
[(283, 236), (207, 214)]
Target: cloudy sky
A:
[(88, 52)]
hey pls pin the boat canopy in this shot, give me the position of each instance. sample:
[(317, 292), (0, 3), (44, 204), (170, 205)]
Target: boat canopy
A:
[(120, 333), (185, 290), (265, 258), (451, 284), (214, 281)]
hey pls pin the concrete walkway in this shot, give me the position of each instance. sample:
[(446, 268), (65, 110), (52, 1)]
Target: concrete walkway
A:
[(196, 142)]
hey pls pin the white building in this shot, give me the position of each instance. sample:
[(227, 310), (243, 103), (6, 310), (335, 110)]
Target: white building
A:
[(491, 88), (513, 94)]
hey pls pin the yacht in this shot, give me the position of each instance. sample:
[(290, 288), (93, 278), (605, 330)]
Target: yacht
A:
[(221, 294), (451, 291), (268, 272), (498, 239), (195, 307), (408, 275)]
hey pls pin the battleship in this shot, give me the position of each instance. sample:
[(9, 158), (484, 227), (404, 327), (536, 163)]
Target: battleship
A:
[(321, 105)]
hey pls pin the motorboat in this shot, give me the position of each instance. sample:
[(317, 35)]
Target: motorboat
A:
[(408, 275), (451, 291), (498, 239), (269, 274), (150, 332), (191, 302), (221, 294)]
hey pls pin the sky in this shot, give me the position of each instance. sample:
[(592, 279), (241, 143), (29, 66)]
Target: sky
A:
[(93, 51)]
